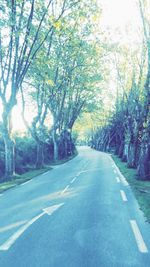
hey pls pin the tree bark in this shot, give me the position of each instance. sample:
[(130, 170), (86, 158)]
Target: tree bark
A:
[(40, 156), (143, 167), (9, 145), (131, 155), (125, 152), (9, 157), (144, 158), (55, 144)]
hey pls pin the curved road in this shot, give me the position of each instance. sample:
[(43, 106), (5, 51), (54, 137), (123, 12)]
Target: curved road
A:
[(80, 214)]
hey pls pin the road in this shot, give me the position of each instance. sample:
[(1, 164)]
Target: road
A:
[(80, 214)]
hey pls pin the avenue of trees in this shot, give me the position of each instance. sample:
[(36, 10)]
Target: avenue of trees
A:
[(127, 131), (55, 58), (48, 57)]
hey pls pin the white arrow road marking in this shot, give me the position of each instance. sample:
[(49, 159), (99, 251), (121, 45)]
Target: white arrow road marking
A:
[(138, 237), (123, 195), (16, 235), (53, 208), (11, 226)]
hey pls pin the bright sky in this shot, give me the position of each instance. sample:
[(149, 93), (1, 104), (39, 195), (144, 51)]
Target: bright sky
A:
[(18, 124), (123, 15), (116, 14), (119, 12), (17, 121), (121, 23)]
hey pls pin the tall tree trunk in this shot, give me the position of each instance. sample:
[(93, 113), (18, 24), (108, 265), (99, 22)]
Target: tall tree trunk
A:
[(131, 155), (9, 146), (144, 157), (40, 156), (125, 152), (65, 140), (143, 167), (55, 143), (9, 157)]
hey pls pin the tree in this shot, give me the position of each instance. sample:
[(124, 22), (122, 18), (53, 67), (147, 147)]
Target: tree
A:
[(25, 26), (62, 71), (143, 167), (127, 132), (37, 129)]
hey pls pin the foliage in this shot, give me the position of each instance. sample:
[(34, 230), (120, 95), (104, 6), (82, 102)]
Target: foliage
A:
[(64, 75), (25, 155), (127, 133), (47, 45)]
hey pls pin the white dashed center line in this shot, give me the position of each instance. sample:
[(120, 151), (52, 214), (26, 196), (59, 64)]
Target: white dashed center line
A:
[(123, 195), (66, 188), (138, 237), (73, 180)]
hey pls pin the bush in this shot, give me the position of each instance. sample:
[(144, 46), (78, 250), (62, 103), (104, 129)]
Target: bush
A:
[(25, 154)]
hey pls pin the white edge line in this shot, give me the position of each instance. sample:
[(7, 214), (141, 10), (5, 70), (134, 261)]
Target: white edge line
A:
[(123, 195), (25, 183), (45, 173), (138, 237), (16, 235), (123, 179), (117, 179)]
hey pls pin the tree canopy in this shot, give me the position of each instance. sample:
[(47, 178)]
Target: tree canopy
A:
[(79, 80)]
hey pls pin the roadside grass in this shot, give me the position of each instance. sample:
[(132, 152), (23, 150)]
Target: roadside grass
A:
[(141, 189), (62, 161), (19, 179)]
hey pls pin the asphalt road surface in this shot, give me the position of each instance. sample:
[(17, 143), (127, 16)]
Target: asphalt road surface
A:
[(80, 214)]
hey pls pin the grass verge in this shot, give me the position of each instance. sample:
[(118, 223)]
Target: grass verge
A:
[(62, 161), (19, 179), (141, 189)]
